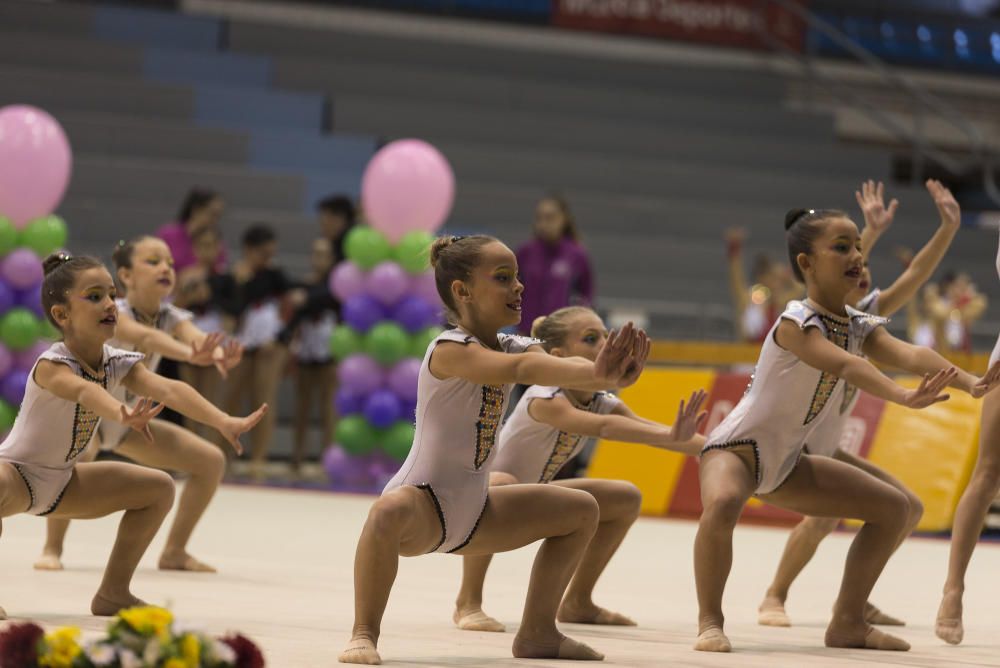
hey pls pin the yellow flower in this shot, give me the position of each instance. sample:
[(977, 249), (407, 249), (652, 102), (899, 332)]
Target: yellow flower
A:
[(149, 620), (176, 663), (61, 647), (191, 650)]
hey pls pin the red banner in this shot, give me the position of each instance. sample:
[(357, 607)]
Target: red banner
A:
[(727, 22)]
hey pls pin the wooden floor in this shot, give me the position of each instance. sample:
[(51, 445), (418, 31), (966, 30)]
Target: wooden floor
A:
[(285, 561)]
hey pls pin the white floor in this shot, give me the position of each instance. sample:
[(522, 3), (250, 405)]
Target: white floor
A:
[(286, 560)]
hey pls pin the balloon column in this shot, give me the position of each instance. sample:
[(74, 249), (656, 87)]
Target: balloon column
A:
[(35, 164), (391, 311)]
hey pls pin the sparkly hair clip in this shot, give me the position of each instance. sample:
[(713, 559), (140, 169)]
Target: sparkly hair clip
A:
[(64, 257), (457, 238)]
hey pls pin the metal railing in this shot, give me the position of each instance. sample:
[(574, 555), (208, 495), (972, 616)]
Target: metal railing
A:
[(923, 104)]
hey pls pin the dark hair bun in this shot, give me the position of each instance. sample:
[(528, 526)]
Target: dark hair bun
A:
[(792, 216), (54, 261)]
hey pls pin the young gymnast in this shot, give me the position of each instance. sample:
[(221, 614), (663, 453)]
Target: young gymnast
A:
[(145, 267), (69, 393), (971, 513), (758, 449), (548, 428), (438, 500), (826, 438)]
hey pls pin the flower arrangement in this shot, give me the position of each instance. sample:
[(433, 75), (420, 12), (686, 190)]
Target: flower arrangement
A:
[(142, 637)]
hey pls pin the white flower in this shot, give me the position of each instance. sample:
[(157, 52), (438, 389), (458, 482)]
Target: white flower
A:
[(152, 652), (220, 651), (178, 629), (100, 654), (129, 659)]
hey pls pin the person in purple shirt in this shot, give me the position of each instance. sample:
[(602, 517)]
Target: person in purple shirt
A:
[(554, 266), (202, 208)]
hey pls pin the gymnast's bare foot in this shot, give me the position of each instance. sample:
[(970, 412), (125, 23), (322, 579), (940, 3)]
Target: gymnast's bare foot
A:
[(182, 561), (107, 605), (477, 620), (360, 650), (49, 561), (556, 646), (588, 613)]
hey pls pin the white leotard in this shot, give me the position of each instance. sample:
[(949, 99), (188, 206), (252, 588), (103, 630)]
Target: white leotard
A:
[(827, 437), (167, 320), (787, 397), (50, 433), (457, 425), (533, 451)]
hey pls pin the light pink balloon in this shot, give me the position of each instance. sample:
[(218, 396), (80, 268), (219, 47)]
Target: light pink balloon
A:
[(408, 185), (35, 162), (346, 281)]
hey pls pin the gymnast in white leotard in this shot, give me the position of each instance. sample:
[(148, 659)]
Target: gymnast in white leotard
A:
[(546, 430), (827, 438), (145, 268), (439, 500), (815, 347), (69, 393)]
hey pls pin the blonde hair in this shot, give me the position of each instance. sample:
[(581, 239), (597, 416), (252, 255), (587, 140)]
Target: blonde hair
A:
[(453, 259), (553, 329)]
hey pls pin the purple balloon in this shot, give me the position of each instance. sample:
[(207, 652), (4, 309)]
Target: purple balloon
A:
[(414, 314), (26, 359), (362, 311), (360, 374), (344, 469), (382, 468), (387, 282), (403, 377), (347, 280), (8, 298), (12, 386), (424, 286), (7, 360), (348, 402), (31, 299), (409, 411), (382, 408), (22, 269)]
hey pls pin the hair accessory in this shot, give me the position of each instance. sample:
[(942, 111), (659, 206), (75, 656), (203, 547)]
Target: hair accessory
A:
[(456, 238), (64, 256)]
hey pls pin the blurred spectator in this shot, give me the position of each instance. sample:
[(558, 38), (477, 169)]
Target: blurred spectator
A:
[(201, 209), (308, 335), (337, 215), (259, 290), (210, 296), (945, 316), (554, 266), (757, 307)]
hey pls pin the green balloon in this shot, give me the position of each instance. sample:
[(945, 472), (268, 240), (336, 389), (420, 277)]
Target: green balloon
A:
[(345, 342), (7, 415), (413, 251), (387, 343), (422, 339), (366, 247), (18, 329), (397, 440), (46, 330), (355, 435), (8, 236), (44, 235)]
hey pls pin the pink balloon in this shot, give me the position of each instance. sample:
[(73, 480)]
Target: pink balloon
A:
[(425, 287), (35, 163), (387, 282), (408, 185), (346, 281)]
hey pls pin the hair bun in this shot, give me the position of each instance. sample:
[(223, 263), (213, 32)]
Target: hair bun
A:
[(536, 324), (438, 247), (54, 261), (794, 215)]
